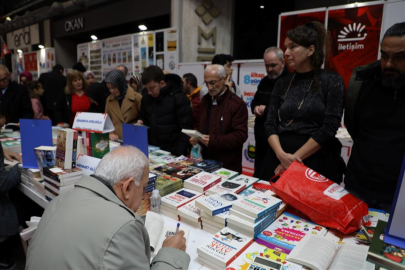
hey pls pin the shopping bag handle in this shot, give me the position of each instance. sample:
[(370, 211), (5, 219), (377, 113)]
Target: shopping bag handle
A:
[(275, 176)]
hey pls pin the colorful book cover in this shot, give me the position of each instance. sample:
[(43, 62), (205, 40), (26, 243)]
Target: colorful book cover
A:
[(187, 173), (257, 205), (99, 144), (248, 180), (286, 231), (383, 254), (167, 169), (208, 165), (224, 247), (226, 186)]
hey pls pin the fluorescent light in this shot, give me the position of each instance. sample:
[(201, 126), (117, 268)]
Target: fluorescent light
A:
[(19, 51), (142, 27), (8, 18), (41, 46), (261, 6), (93, 37)]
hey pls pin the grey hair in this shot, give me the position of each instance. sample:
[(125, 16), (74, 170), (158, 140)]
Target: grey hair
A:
[(3, 67), (218, 68), (277, 51), (122, 163)]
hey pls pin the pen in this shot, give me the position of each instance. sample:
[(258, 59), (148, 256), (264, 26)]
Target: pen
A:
[(177, 229)]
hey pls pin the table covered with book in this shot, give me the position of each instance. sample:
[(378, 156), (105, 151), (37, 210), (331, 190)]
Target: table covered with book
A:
[(234, 221)]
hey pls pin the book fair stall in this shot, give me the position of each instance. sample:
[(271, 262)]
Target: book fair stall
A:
[(231, 221)]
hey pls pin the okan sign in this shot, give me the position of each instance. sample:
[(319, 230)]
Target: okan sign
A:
[(74, 24)]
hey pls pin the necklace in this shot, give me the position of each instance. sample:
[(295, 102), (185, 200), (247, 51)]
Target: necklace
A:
[(301, 103)]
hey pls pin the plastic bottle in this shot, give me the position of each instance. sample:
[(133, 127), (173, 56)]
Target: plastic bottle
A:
[(155, 201)]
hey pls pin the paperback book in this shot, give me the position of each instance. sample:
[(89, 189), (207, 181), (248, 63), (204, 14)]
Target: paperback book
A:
[(225, 173), (46, 157), (202, 181), (227, 186), (187, 173), (66, 148), (216, 204), (208, 165), (224, 247), (287, 231), (257, 205), (248, 180), (190, 213), (179, 198), (245, 227)]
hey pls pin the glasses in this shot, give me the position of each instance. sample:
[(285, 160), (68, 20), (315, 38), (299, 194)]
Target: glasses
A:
[(212, 83)]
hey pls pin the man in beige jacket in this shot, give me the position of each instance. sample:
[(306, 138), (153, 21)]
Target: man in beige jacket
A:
[(94, 225)]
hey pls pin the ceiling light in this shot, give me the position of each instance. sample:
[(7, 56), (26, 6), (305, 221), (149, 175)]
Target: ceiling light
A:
[(41, 46), (19, 51), (93, 37), (261, 6), (8, 18), (142, 27)]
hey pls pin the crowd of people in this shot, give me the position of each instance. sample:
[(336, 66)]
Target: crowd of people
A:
[(298, 108)]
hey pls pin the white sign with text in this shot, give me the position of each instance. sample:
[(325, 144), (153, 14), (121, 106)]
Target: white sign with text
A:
[(93, 122)]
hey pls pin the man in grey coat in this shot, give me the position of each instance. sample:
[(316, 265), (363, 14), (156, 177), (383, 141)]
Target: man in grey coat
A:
[(94, 225)]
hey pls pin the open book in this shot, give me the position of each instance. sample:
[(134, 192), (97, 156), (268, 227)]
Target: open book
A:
[(192, 133), (154, 224), (320, 253)]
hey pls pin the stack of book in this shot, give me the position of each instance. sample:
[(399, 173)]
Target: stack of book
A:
[(202, 181), (171, 202), (208, 165), (255, 190), (11, 144), (151, 183), (252, 214), (28, 174), (95, 144), (145, 205), (213, 224), (66, 148), (165, 169), (58, 180), (39, 185), (46, 157), (190, 214), (167, 184), (223, 248), (161, 156), (213, 205), (225, 173)]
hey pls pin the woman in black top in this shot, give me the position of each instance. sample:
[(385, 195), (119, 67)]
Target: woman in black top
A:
[(306, 108)]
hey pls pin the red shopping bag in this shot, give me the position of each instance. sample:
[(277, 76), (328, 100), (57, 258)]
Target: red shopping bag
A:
[(322, 200)]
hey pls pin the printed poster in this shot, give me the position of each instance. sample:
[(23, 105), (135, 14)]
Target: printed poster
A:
[(30, 62), (115, 52), (355, 36), (140, 51), (46, 60)]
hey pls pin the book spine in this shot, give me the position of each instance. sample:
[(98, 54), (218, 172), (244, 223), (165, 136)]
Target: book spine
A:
[(239, 252), (51, 191), (74, 150), (211, 185), (269, 210), (51, 175)]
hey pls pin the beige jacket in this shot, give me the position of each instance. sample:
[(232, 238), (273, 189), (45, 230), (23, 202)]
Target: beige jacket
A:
[(90, 228), (128, 113)]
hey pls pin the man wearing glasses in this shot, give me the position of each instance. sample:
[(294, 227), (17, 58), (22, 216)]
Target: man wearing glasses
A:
[(14, 98), (223, 121)]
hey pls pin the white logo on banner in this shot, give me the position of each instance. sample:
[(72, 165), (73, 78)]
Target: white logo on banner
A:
[(355, 33), (314, 176)]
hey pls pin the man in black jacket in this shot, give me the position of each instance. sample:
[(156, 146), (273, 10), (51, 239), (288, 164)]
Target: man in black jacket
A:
[(374, 116), (53, 83), (274, 62), (14, 98), (166, 110)]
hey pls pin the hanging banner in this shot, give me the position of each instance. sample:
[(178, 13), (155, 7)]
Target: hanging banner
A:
[(355, 33), (250, 75), (115, 52), (290, 20)]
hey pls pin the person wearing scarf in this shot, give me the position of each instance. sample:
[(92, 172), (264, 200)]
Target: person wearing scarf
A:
[(123, 104)]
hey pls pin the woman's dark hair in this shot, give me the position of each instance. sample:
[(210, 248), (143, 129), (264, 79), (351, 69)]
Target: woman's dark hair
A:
[(31, 86), (311, 33)]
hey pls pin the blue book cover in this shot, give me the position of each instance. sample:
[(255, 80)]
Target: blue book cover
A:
[(137, 136)]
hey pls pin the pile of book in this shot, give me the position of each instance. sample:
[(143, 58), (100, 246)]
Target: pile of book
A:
[(27, 175), (151, 183), (225, 173), (212, 206), (167, 184), (252, 214), (66, 148), (190, 214), (11, 144), (58, 180), (223, 248), (202, 181), (161, 156), (228, 185), (95, 144), (172, 202)]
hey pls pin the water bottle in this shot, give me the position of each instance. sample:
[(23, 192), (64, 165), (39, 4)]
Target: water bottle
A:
[(155, 201)]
